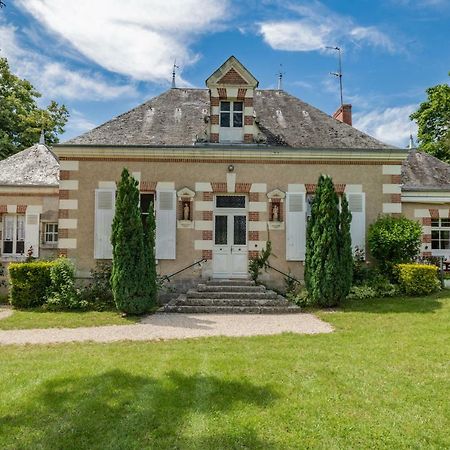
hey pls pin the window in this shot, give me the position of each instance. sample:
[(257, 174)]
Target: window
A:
[(231, 114), (13, 234), (145, 200), (440, 234), (230, 201), (51, 233)]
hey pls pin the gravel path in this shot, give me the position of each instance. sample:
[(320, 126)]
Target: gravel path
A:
[(174, 326)]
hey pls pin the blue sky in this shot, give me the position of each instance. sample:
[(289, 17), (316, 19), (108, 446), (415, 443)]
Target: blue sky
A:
[(103, 57)]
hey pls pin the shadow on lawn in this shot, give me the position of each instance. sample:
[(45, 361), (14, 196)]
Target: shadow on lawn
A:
[(120, 410), (397, 304)]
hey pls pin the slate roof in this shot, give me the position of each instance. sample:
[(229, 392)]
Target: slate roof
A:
[(423, 172), (178, 117), (34, 166)]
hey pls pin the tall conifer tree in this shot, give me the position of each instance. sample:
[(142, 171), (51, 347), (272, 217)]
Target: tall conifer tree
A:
[(345, 249), (149, 249), (129, 277)]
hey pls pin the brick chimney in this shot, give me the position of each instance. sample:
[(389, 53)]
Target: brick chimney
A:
[(344, 114)]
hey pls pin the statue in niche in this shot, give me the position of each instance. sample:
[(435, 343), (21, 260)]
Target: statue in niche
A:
[(275, 213), (186, 211)]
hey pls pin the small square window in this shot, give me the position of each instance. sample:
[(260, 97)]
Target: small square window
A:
[(51, 233)]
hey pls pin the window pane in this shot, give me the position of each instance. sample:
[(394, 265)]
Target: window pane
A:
[(7, 247), (435, 235), (435, 245), (225, 120), (20, 228), (435, 223), (225, 106), (445, 222), (237, 106), (445, 235), (220, 237), (230, 201), (20, 247), (146, 199), (237, 120), (240, 230)]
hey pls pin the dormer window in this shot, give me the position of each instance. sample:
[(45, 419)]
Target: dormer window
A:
[(231, 121)]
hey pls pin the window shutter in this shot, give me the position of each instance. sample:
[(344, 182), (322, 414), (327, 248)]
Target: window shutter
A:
[(166, 224), (295, 226), (31, 233), (105, 200), (357, 206)]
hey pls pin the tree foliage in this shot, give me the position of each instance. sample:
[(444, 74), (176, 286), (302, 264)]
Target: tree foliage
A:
[(394, 240), (433, 120), (129, 277), (149, 254), (21, 119), (327, 270)]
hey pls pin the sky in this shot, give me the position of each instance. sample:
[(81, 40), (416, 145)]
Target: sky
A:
[(103, 57)]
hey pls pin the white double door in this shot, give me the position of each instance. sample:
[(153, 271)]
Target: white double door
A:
[(230, 252)]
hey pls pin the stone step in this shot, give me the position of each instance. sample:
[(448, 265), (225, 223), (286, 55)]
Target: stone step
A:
[(232, 302), (230, 282), (222, 288), (223, 295), (232, 309)]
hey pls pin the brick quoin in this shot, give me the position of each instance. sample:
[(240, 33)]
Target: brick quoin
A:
[(426, 221), (232, 77), (243, 187), (207, 254), (207, 235), (148, 186), (64, 194), (252, 254), (340, 188), (253, 235), (253, 196), (63, 213), (427, 254), (241, 93), (396, 198), (219, 187), (248, 101), (248, 120), (426, 238), (3, 209), (222, 93), (214, 137), (434, 213), (207, 196), (207, 215), (21, 209), (310, 188), (215, 101), (396, 179), (248, 138), (253, 216), (64, 174), (63, 233), (215, 119)]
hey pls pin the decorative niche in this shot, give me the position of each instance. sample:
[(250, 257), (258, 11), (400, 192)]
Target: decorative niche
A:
[(185, 213), (276, 209)]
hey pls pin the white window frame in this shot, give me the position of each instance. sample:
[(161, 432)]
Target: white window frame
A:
[(439, 228), (231, 113), (51, 233), (15, 231)]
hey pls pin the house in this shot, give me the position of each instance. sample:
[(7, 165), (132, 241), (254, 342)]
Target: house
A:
[(228, 167)]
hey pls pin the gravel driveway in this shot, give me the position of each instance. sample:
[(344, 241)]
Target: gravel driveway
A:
[(174, 326)]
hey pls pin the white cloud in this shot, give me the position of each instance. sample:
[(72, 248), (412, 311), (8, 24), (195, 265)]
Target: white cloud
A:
[(390, 125), (52, 78), (318, 27), (138, 38)]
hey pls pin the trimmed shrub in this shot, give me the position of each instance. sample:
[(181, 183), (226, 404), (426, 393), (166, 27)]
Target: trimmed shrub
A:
[(29, 283), (394, 240), (98, 293), (62, 294), (418, 279)]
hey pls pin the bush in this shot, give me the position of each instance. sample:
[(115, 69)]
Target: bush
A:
[(256, 265), (394, 240), (2, 275), (362, 292), (418, 279), (98, 293), (29, 283), (62, 294)]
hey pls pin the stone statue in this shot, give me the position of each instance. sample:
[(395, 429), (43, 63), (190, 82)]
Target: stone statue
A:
[(275, 213), (186, 211)]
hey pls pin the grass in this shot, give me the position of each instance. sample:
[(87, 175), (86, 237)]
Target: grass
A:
[(39, 318), (381, 381)]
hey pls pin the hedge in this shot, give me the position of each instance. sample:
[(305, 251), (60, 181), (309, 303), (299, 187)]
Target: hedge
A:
[(29, 283), (418, 279)]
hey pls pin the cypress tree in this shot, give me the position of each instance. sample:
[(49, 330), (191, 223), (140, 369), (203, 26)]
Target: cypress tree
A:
[(322, 250), (149, 249), (129, 281), (345, 249)]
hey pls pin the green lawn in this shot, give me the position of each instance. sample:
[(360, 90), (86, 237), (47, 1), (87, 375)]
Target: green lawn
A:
[(382, 380), (38, 318)]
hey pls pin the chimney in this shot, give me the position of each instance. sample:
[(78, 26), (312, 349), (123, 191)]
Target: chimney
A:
[(344, 114)]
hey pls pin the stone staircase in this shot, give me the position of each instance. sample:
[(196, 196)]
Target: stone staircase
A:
[(230, 297)]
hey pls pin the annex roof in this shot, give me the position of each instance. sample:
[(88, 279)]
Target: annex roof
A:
[(423, 172), (34, 166)]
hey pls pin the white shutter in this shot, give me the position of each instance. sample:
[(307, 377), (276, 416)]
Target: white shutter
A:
[(166, 224), (295, 226), (105, 200), (357, 206), (31, 233)]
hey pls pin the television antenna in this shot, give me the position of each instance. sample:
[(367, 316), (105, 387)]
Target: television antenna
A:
[(280, 77), (338, 74), (174, 73)]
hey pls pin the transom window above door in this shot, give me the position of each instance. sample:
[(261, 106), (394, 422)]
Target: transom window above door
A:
[(230, 201), (231, 114)]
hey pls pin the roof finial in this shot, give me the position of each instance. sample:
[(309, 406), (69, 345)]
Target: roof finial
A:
[(42, 137), (280, 78), (411, 142), (173, 73)]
